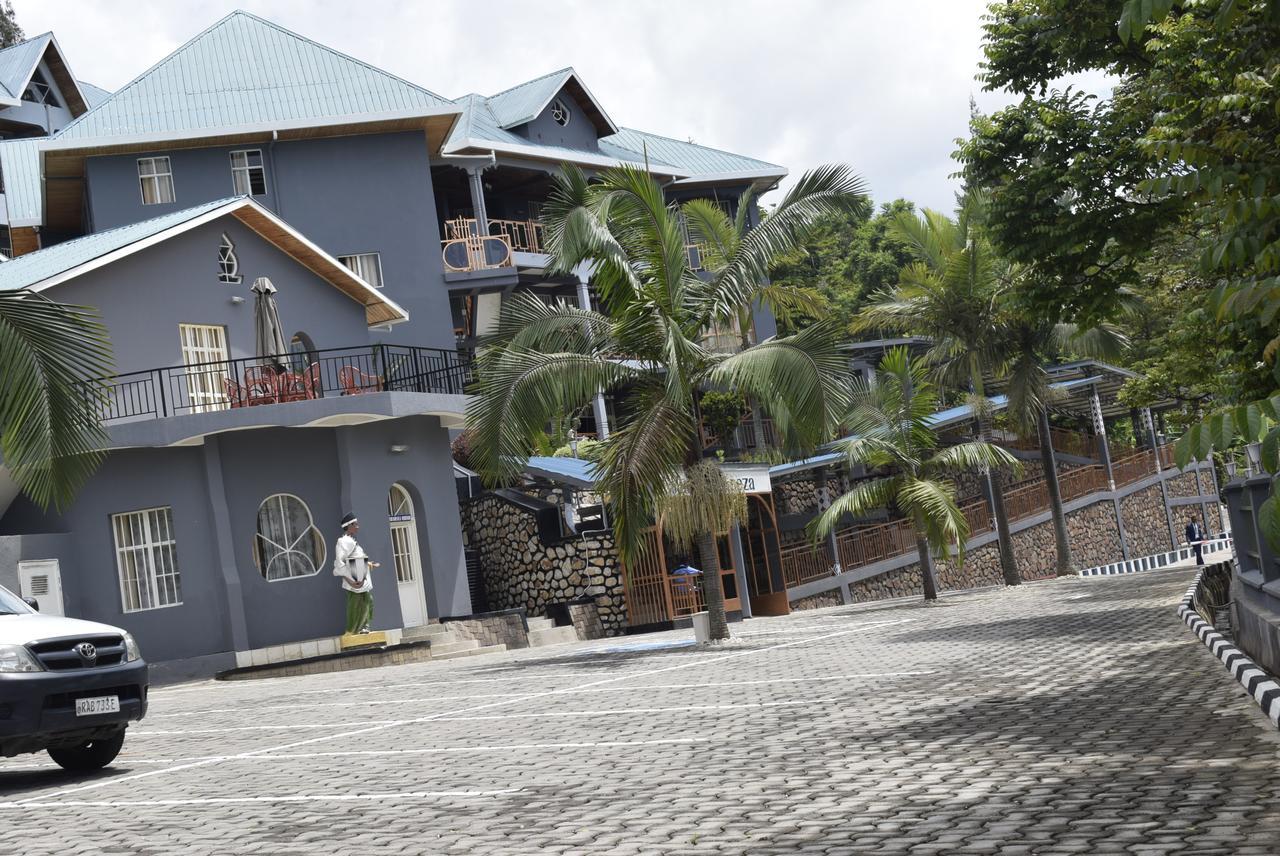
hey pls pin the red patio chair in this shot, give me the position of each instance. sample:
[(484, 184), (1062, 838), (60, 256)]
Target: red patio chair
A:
[(234, 392), (354, 382), (260, 386), (315, 387), (292, 386)]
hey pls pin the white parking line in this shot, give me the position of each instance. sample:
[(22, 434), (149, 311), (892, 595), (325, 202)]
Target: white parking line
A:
[(568, 691), (280, 798), (348, 735)]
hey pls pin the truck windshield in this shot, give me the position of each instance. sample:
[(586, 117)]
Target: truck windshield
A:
[(11, 604)]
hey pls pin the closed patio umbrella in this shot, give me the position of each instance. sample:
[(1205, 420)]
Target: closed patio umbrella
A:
[(270, 341)]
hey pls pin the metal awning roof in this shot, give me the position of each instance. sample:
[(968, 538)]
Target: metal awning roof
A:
[(575, 472)]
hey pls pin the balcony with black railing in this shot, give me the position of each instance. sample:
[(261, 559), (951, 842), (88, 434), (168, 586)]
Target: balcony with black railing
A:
[(253, 382)]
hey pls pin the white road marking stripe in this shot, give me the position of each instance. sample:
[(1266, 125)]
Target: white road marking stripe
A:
[(282, 798), (568, 690), (348, 735)]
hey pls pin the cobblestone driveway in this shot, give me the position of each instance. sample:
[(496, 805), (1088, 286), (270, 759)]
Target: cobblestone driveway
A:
[(1073, 716)]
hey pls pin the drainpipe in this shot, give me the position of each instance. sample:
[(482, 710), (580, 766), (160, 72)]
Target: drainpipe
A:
[(275, 188)]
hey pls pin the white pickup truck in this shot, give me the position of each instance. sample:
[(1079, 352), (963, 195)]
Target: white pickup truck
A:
[(68, 687)]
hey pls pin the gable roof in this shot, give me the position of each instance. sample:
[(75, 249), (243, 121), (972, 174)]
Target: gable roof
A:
[(20, 174), (486, 122), (59, 263), (93, 95), (18, 63), (526, 101), (247, 73)]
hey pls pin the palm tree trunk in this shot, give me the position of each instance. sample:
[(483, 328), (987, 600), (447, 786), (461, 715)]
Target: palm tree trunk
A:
[(1008, 567), (712, 590), (926, 569), (1049, 463)]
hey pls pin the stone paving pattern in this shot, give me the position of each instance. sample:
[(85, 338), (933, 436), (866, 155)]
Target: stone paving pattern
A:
[(1066, 716)]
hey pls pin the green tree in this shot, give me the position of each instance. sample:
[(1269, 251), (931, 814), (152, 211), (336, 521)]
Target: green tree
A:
[(845, 259), (53, 356), (10, 32), (889, 421), (951, 294), (548, 360)]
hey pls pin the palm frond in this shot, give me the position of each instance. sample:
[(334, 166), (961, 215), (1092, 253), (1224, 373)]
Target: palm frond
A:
[(860, 500), (712, 229), (932, 504), (517, 392), (528, 323), (968, 457), (53, 357), (704, 500)]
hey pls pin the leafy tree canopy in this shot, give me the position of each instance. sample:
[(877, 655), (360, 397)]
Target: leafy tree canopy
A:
[(10, 32)]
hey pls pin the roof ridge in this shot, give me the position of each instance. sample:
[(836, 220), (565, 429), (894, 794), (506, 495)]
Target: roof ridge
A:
[(567, 68), (203, 206), (241, 13)]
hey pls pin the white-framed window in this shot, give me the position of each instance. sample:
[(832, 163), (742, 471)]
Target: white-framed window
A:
[(248, 175), (147, 559), (367, 266), (204, 353), (287, 543), (156, 178), (228, 264), (560, 112)]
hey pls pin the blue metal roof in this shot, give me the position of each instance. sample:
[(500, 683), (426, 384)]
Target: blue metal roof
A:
[(695, 159), (93, 95), (573, 471), (32, 269), (244, 71), (18, 61), (20, 172), (523, 102)]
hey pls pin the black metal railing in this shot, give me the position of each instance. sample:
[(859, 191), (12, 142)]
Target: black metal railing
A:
[(279, 379)]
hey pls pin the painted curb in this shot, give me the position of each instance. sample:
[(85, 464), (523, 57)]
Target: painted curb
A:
[(1256, 682), (1158, 560)]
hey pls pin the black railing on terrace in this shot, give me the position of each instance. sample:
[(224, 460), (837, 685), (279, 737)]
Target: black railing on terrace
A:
[(256, 381)]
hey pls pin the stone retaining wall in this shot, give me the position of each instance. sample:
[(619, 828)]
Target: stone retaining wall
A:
[(521, 571), (1183, 484), (1145, 526), (506, 629)]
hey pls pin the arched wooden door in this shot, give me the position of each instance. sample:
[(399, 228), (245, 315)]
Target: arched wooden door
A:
[(404, 549)]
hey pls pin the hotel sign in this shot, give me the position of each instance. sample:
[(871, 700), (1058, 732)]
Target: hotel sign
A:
[(754, 478)]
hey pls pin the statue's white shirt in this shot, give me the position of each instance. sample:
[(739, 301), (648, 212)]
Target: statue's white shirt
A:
[(351, 563)]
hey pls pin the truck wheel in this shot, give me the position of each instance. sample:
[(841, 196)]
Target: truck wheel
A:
[(89, 756)]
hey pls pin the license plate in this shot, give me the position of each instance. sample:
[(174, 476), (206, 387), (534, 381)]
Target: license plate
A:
[(99, 704)]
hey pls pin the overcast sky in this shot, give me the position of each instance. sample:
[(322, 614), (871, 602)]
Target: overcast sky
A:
[(882, 86)]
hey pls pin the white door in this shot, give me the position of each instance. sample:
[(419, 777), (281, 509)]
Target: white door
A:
[(42, 580), (404, 547), (203, 344)]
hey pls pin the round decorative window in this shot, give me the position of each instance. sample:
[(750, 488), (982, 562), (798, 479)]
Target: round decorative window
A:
[(560, 112), (287, 543)]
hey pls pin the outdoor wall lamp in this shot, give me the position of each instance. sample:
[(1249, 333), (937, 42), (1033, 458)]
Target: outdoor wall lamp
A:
[(237, 300), (1254, 453), (398, 448)]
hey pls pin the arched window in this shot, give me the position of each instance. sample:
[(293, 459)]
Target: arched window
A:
[(228, 264), (301, 350), (287, 544)]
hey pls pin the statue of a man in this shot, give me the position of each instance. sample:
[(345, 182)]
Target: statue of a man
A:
[(353, 566)]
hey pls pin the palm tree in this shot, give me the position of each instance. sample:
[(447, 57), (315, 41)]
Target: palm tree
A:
[(891, 433), (1031, 344), (545, 360), (53, 357), (952, 295)]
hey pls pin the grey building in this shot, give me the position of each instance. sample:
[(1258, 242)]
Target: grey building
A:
[(389, 222)]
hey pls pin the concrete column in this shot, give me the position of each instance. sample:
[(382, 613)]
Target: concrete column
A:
[(1151, 436), (224, 549), (1124, 535), (475, 178), (1104, 448), (597, 406), (740, 568), (1168, 515)]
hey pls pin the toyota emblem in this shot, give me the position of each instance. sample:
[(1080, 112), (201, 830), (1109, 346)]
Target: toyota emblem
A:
[(87, 652)]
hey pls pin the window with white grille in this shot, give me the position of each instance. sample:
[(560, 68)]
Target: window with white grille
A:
[(248, 175), (156, 177), (147, 559), (287, 544), (367, 266)]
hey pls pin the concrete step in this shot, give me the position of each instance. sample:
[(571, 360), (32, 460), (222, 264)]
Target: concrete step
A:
[(552, 636), (452, 646), (430, 632), (540, 623), (469, 652)]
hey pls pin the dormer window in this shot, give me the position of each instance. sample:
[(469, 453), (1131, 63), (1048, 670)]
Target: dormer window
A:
[(39, 91), (560, 112), (228, 264)]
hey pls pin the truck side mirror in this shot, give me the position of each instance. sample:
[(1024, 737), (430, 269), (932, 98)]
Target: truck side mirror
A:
[(32, 602)]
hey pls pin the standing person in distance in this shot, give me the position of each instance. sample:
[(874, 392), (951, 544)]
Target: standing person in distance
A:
[(352, 564), (1195, 535)]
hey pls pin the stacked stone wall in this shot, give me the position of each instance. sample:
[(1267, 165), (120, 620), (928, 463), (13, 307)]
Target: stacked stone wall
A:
[(1183, 484), (800, 495), (521, 571), (1213, 519), (1146, 527)]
